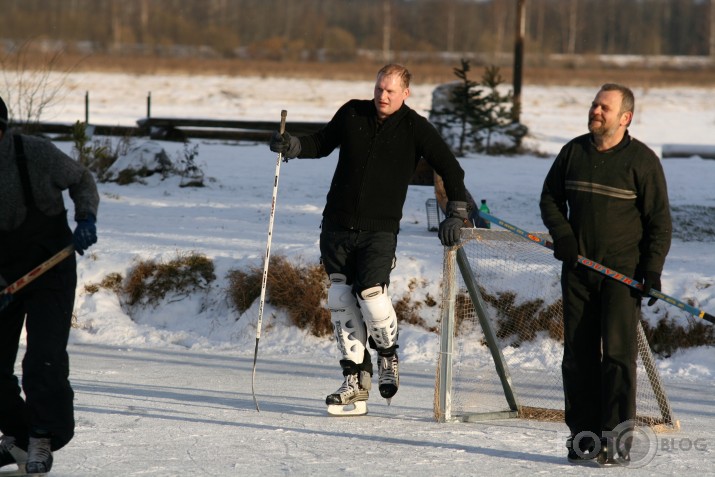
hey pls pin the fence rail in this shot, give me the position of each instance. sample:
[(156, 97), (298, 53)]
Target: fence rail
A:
[(180, 129)]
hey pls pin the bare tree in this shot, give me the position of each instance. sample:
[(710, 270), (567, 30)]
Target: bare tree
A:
[(31, 85)]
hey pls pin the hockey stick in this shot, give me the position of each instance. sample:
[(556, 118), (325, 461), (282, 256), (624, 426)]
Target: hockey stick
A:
[(604, 270), (266, 259), (24, 280)]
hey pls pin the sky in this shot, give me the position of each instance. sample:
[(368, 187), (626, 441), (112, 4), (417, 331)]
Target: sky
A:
[(166, 390)]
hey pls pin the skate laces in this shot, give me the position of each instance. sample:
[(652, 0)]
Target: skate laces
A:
[(6, 443), (39, 451), (388, 369), (350, 385)]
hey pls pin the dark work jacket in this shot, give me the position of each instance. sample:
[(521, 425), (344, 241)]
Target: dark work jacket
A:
[(615, 202), (376, 164)]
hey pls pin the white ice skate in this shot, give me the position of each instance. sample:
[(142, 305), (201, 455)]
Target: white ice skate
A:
[(349, 400)]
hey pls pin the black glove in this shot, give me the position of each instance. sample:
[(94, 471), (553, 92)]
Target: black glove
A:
[(651, 281), (287, 145), (85, 234), (566, 250), (457, 217)]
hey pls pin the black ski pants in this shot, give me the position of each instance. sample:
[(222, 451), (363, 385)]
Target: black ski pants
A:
[(600, 350)]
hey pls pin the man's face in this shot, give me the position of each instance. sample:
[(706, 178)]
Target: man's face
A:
[(389, 95), (604, 116)]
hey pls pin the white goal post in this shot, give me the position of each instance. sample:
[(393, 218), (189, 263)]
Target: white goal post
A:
[(501, 336)]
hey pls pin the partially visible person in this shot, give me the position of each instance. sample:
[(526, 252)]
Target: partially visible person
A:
[(381, 141), (33, 228), (605, 198)]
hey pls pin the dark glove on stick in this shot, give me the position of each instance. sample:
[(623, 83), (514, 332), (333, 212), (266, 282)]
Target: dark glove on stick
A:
[(457, 218), (566, 250), (287, 145), (651, 281), (85, 234)]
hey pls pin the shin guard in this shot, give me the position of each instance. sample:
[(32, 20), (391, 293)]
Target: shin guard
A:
[(380, 316), (348, 325)]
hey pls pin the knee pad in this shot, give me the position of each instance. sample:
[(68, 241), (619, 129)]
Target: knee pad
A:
[(348, 325), (379, 315)]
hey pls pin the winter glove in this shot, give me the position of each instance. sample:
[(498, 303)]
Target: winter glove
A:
[(85, 234), (651, 281), (287, 145), (566, 250), (5, 298), (457, 217)]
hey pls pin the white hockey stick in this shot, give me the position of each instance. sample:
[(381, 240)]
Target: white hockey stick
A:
[(284, 113)]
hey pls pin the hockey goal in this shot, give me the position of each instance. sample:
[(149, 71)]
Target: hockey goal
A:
[(501, 336)]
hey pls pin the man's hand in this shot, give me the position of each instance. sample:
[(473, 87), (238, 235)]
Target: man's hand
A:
[(285, 144), (566, 250), (651, 281), (85, 234), (449, 229)]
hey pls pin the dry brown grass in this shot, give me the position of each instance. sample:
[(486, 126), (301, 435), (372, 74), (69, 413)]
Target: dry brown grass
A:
[(300, 290), (671, 334), (149, 281)]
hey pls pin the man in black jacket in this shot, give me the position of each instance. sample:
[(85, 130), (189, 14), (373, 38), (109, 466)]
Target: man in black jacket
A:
[(605, 198), (381, 142), (33, 227)]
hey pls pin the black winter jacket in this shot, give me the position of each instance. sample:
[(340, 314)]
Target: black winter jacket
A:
[(615, 203), (376, 164)]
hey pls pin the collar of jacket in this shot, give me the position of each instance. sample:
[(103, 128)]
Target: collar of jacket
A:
[(624, 142)]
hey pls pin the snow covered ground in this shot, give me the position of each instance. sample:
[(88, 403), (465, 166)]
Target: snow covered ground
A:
[(167, 391)]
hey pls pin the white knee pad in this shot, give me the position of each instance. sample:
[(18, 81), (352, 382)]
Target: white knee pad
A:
[(348, 325), (379, 315)]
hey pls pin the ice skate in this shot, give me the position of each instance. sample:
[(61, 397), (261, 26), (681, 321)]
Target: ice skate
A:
[(39, 456), (621, 456), (586, 455), (388, 373), (11, 454), (349, 400)]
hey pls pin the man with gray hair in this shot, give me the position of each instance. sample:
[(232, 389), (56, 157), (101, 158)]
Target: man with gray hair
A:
[(605, 198), (33, 228)]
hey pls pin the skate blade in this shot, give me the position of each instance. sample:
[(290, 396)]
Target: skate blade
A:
[(358, 408), (7, 473)]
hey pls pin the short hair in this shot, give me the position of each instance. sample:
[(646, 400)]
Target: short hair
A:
[(396, 69), (628, 101)]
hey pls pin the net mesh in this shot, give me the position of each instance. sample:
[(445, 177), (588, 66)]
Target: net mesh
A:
[(519, 283)]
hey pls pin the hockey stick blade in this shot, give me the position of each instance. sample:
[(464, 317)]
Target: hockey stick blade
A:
[(266, 260), (30, 276), (603, 269)]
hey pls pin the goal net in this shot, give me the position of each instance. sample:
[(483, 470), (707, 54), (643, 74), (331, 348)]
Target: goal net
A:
[(501, 337)]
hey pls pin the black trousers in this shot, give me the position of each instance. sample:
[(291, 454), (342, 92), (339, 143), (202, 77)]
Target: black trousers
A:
[(45, 308), (366, 258), (600, 351)]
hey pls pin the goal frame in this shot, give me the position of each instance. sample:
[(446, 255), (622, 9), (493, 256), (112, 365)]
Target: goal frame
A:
[(457, 261)]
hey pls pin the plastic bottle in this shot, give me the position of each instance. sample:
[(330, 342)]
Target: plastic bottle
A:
[(484, 208)]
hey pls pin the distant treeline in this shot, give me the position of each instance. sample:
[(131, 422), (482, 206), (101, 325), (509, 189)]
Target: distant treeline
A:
[(343, 29)]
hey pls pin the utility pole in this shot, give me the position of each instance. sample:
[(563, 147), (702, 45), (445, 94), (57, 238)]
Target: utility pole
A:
[(386, 25), (712, 31), (519, 58)]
